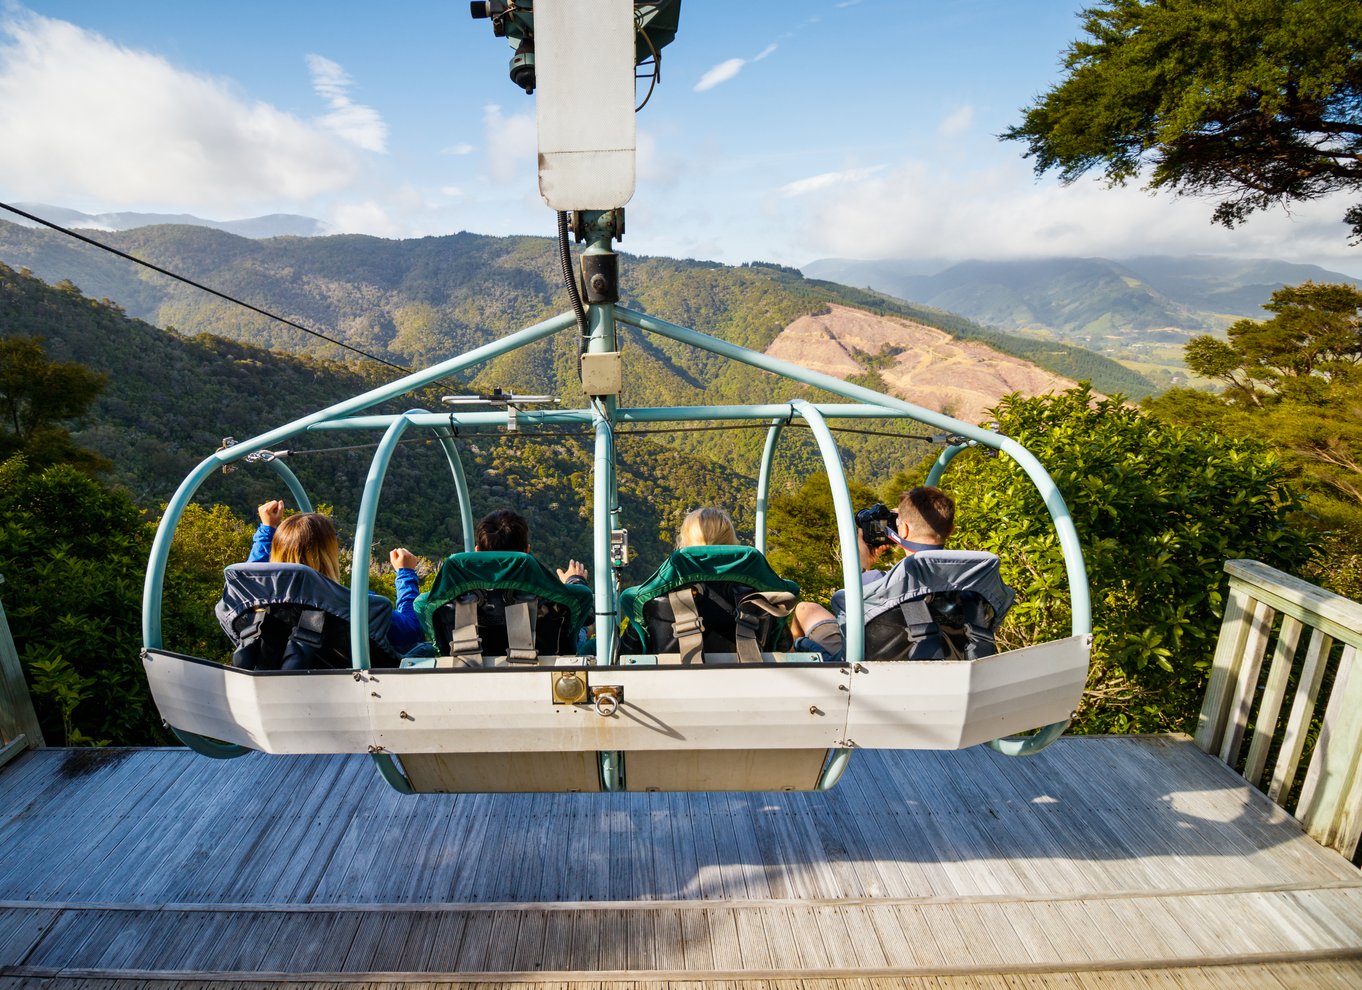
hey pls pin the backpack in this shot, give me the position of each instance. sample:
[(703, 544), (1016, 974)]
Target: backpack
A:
[(706, 600)]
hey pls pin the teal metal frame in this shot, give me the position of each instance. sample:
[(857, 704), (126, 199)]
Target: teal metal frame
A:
[(599, 419)]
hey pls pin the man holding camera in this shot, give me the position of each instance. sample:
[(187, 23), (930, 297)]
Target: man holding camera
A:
[(924, 521)]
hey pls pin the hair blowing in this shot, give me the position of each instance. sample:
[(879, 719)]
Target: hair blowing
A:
[(308, 538)]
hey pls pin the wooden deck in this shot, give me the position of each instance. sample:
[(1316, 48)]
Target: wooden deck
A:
[(1118, 861)]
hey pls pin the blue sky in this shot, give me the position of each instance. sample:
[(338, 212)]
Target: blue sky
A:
[(781, 131)]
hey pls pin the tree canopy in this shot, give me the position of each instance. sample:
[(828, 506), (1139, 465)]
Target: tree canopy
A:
[(1258, 102)]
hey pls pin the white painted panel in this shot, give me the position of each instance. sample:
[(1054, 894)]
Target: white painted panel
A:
[(306, 712), (584, 96), (906, 705), (937, 704)]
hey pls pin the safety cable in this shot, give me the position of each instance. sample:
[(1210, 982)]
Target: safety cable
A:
[(569, 280), (586, 434), (204, 288)]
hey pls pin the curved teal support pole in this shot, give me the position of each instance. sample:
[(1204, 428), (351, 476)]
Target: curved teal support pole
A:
[(768, 457), (1009, 745), (209, 747), (610, 763), (364, 529), (833, 770), (939, 468), (460, 486), (607, 619), (846, 527), (1049, 492), (154, 583), (392, 773), (295, 486)]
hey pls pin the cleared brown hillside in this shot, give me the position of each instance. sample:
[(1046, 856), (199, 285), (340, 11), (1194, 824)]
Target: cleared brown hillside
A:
[(936, 371)]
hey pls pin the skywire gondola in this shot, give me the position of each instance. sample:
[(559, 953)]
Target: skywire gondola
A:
[(610, 721)]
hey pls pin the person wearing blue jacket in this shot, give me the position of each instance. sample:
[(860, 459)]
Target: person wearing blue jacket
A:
[(310, 538)]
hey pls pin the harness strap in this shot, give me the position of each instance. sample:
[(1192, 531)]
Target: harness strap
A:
[(465, 645), (305, 642), (747, 619), (247, 654), (520, 632), (687, 626)]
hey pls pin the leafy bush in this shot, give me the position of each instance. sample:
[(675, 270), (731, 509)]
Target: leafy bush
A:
[(1158, 509)]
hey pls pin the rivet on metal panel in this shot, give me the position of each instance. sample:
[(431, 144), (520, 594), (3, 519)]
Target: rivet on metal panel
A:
[(843, 687), (815, 710), (406, 716)]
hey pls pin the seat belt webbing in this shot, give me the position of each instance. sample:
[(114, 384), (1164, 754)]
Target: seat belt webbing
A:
[(687, 626)]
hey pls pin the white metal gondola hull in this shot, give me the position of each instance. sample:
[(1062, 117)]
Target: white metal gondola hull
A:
[(913, 705)]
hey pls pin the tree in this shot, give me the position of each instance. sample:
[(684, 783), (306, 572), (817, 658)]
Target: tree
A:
[(37, 395), (1158, 510), (1315, 340), (1255, 101)]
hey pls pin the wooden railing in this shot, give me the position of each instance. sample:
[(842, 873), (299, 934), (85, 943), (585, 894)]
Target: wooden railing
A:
[(1320, 677), (18, 722)]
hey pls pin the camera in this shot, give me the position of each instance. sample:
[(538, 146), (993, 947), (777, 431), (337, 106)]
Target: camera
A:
[(876, 523)]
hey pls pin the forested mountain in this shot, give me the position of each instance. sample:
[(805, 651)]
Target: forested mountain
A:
[(422, 300), (170, 400)]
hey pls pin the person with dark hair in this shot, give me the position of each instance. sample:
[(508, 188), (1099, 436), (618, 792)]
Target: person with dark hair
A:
[(507, 530), (310, 538), (925, 520)]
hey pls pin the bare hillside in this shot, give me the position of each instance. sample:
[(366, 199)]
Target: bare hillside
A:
[(932, 369)]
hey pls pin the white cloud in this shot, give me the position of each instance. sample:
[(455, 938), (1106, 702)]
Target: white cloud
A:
[(768, 50), (458, 149), (721, 73), (512, 144), (1002, 212), (957, 122), (827, 180), (84, 119), (360, 125)]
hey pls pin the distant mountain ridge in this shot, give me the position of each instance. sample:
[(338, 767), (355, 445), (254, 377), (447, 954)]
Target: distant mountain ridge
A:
[(271, 225), (1085, 299)]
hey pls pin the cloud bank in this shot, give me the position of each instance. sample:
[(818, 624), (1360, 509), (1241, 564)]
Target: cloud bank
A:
[(86, 120)]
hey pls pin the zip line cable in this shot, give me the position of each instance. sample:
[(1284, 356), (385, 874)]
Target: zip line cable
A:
[(204, 288)]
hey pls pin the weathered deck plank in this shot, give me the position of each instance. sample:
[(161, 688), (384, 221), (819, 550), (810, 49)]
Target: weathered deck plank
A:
[(1106, 858)]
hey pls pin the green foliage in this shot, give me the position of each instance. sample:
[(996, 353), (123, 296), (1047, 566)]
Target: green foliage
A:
[(73, 555), (1255, 101), (1158, 509), (37, 395), (1294, 381), (1314, 340), (802, 535)]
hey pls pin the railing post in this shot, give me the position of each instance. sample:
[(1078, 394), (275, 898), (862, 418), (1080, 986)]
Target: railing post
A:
[(18, 721), (1330, 802)]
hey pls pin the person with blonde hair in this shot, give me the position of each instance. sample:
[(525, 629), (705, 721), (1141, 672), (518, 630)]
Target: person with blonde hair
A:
[(310, 538), (706, 527)]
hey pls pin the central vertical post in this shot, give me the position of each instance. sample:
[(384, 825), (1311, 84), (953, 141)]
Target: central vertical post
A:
[(602, 381)]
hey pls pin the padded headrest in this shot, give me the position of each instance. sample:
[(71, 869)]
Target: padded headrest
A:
[(248, 586), (505, 570), (931, 571), (703, 565)]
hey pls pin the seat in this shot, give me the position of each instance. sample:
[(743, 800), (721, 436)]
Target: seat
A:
[(290, 617), (502, 606), (707, 602), (935, 605)]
